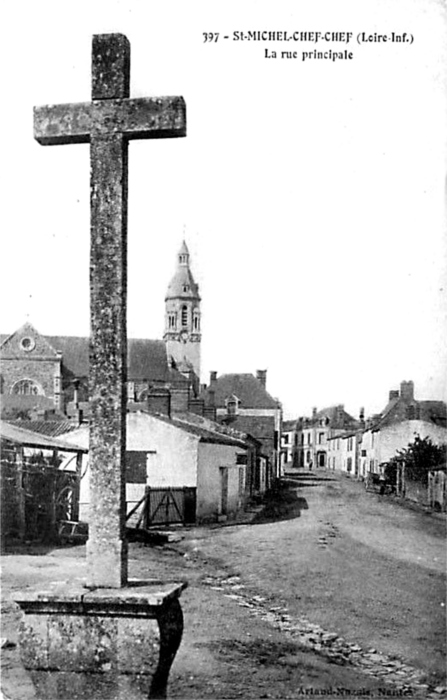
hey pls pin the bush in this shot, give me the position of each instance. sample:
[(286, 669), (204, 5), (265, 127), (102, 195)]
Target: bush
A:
[(419, 457)]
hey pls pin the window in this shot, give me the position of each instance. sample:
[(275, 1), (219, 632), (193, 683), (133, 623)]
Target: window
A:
[(27, 344), (171, 321), (349, 464), (232, 404), (26, 387), (308, 438), (286, 439), (241, 480), (320, 438), (131, 391), (184, 315), (411, 412), (302, 438), (308, 456), (196, 323), (186, 287)]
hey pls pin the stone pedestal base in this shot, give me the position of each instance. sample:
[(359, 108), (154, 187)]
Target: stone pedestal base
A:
[(103, 644)]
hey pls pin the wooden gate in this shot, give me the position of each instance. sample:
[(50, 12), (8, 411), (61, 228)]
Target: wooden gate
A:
[(166, 505)]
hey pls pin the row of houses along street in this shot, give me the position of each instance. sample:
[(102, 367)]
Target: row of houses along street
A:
[(200, 453), (334, 439), (195, 452)]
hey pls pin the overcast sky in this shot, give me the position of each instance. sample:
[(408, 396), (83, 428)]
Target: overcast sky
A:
[(312, 192)]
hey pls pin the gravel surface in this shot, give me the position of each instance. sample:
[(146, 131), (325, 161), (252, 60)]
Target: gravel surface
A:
[(344, 597)]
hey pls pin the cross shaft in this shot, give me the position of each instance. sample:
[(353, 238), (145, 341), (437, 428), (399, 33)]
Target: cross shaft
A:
[(108, 123)]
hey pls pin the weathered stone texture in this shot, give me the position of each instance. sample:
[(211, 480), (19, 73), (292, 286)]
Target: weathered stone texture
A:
[(40, 364), (106, 548), (110, 66), (107, 123), (142, 118), (103, 644)]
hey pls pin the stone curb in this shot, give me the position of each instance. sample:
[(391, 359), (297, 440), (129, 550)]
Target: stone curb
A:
[(391, 670)]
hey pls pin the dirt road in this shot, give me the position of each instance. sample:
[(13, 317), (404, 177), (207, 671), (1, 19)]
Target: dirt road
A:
[(344, 599), (356, 563)]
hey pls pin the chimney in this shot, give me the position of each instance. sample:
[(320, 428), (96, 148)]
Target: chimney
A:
[(407, 391), (362, 417), (340, 412), (213, 378), (261, 375), (314, 412), (211, 396), (210, 413), (76, 383), (394, 394), (196, 406), (159, 401)]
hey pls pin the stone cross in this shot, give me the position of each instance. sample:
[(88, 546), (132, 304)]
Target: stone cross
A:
[(107, 123)]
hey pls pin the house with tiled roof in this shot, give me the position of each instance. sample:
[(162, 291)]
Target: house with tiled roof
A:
[(312, 435), (47, 372), (403, 418), (189, 469), (243, 402)]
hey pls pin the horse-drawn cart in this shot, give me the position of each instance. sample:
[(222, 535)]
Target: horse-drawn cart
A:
[(378, 483)]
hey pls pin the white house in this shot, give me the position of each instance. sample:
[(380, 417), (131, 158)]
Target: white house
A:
[(402, 419), (380, 444), (180, 458), (343, 452)]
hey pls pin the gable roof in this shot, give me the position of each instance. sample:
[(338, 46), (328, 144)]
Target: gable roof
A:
[(146, 359), (396, 412), (434, 412), (38, 345), (261, 427), (249, 390), (28, 438), (337, 416), (50, 428), (205, 430)]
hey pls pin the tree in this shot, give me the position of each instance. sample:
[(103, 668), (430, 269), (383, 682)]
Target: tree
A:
[(419, 457)]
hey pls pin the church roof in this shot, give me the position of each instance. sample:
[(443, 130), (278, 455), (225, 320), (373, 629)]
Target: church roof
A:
[(249, 390), (147, 359)]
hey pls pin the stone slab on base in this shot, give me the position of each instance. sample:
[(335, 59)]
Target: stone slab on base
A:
[(102, 644)]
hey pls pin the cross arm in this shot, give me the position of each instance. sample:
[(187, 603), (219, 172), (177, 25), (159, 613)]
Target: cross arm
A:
[(59, 124), (140, 118)]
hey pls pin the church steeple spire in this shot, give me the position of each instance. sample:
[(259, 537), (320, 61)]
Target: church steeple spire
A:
[(183, 256), (182, 285), (182, 316)]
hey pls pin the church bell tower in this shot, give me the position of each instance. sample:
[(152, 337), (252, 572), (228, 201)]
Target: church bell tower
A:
[(182, 317)]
